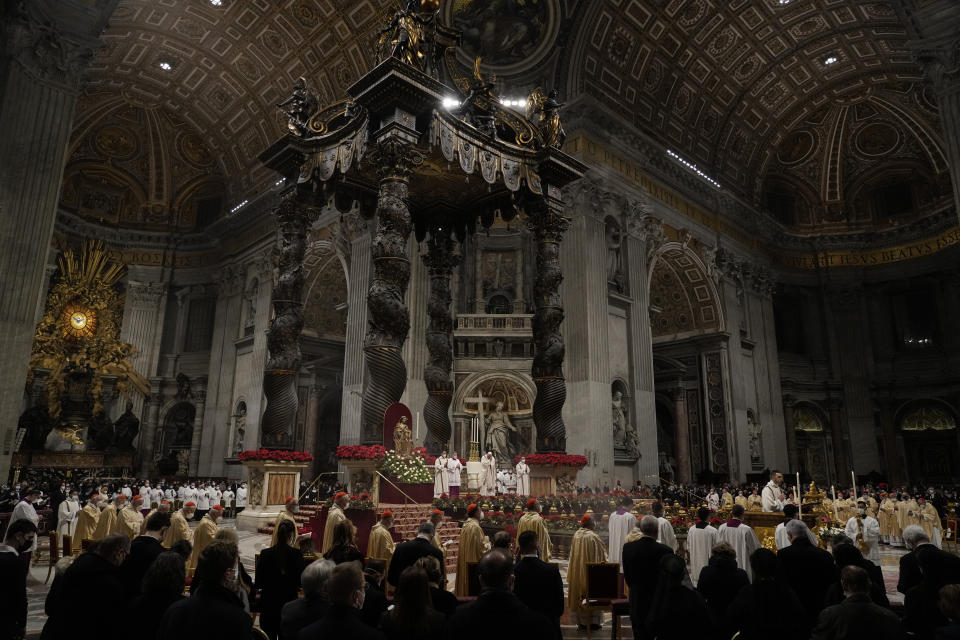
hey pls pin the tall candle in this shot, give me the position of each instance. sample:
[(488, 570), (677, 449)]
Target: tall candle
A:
[(799, 497), (836, 515), (853, 479)]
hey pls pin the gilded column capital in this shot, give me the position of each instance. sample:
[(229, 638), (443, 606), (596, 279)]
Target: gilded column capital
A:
[(146, 294)]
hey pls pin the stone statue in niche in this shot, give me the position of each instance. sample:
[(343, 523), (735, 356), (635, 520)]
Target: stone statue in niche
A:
[(240, 428), (754, 433), (666, 467), (251, 303), (614, 263), (183, 387), (498, 433), (402, 441), (126, 429), (619, 418)]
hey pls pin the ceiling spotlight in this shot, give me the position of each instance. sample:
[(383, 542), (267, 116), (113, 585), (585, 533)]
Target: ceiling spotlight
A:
[(450, 103), (165, 65), (781, 1), (830, 59), (217, 3)]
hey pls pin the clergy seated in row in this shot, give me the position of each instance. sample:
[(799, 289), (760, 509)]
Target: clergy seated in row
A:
[(334, 516), (533, 521), (537, 583)]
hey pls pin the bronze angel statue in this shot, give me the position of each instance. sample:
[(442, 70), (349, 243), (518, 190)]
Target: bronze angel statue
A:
[(299, 107), (544, 110)]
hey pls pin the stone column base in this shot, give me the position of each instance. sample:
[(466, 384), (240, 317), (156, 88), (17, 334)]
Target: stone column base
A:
[(252, 518)]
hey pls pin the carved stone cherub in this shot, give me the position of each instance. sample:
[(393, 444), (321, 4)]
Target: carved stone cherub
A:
[(299, 107)]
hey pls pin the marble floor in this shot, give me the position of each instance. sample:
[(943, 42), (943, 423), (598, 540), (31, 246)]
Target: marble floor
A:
[(252, 543)]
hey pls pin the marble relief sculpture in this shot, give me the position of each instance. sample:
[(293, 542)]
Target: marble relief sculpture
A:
[(498, 433)]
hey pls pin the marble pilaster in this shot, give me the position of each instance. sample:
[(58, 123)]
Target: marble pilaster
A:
[(148, 434), (585, 333), (143, 314), (47, 45), (354, 367)]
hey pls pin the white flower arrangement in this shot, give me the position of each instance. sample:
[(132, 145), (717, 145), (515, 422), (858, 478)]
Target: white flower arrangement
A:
[(409, 470)]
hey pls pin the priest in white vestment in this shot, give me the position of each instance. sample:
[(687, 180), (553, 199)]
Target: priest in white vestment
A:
[(621, 523), (441, 484), (868, 528), (700, 540), (741, 537), (488, 474), (523, 478), (713, 500), (67, 516), (666, 535), (454, 467), (772, 498)]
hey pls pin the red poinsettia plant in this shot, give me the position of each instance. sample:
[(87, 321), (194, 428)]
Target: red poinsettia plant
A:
[(553, 459), (275, 455), (361, 452)]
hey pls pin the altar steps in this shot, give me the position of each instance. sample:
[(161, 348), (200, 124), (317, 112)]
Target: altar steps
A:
[(406, 519)]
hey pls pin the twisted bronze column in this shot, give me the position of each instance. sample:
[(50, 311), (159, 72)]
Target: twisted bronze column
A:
[(388, 320), (441, 259), (283, 337), (548, 225)]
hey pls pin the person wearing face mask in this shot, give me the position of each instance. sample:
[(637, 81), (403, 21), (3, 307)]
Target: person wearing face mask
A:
[(26, 511), (203, 535), (20, 537), (380, 545), (347, 592), (87, 519), (290, 507), (67, 515), (473, 544), (179, 529), (213, 610), (241, 498), (203, 503), (868, 529)]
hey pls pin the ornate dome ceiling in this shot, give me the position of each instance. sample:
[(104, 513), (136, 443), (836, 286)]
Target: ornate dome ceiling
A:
[(731, 85), (137, 166)]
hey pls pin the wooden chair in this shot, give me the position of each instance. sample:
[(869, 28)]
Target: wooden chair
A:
[(54, 554), (950, 533), (473, 579), (603, 591), (67, 545)]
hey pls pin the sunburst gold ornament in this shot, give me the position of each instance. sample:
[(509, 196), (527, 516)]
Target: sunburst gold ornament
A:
[(81, 326)]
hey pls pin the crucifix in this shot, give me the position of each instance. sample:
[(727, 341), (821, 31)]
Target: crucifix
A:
[(476, 426)]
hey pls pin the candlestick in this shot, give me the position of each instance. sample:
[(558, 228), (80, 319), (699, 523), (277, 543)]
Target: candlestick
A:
[(416, 430), (799, 497), (836, 515), (853, 479)]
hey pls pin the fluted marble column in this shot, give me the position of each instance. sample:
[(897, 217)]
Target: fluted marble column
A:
[(148, 434), (199, 401), (47, 45), (143, 314)]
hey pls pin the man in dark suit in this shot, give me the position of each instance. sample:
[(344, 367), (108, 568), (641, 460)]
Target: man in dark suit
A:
[(808, 570), (314, 604), (19, 538), (496, 602), (407, 553), (278, 577), (641, 566), (945, 566), (857, 616), (346, 590), (143, 551), (537, 583)]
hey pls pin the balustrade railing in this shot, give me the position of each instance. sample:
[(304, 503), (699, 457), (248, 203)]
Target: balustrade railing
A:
[(519, 323)]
